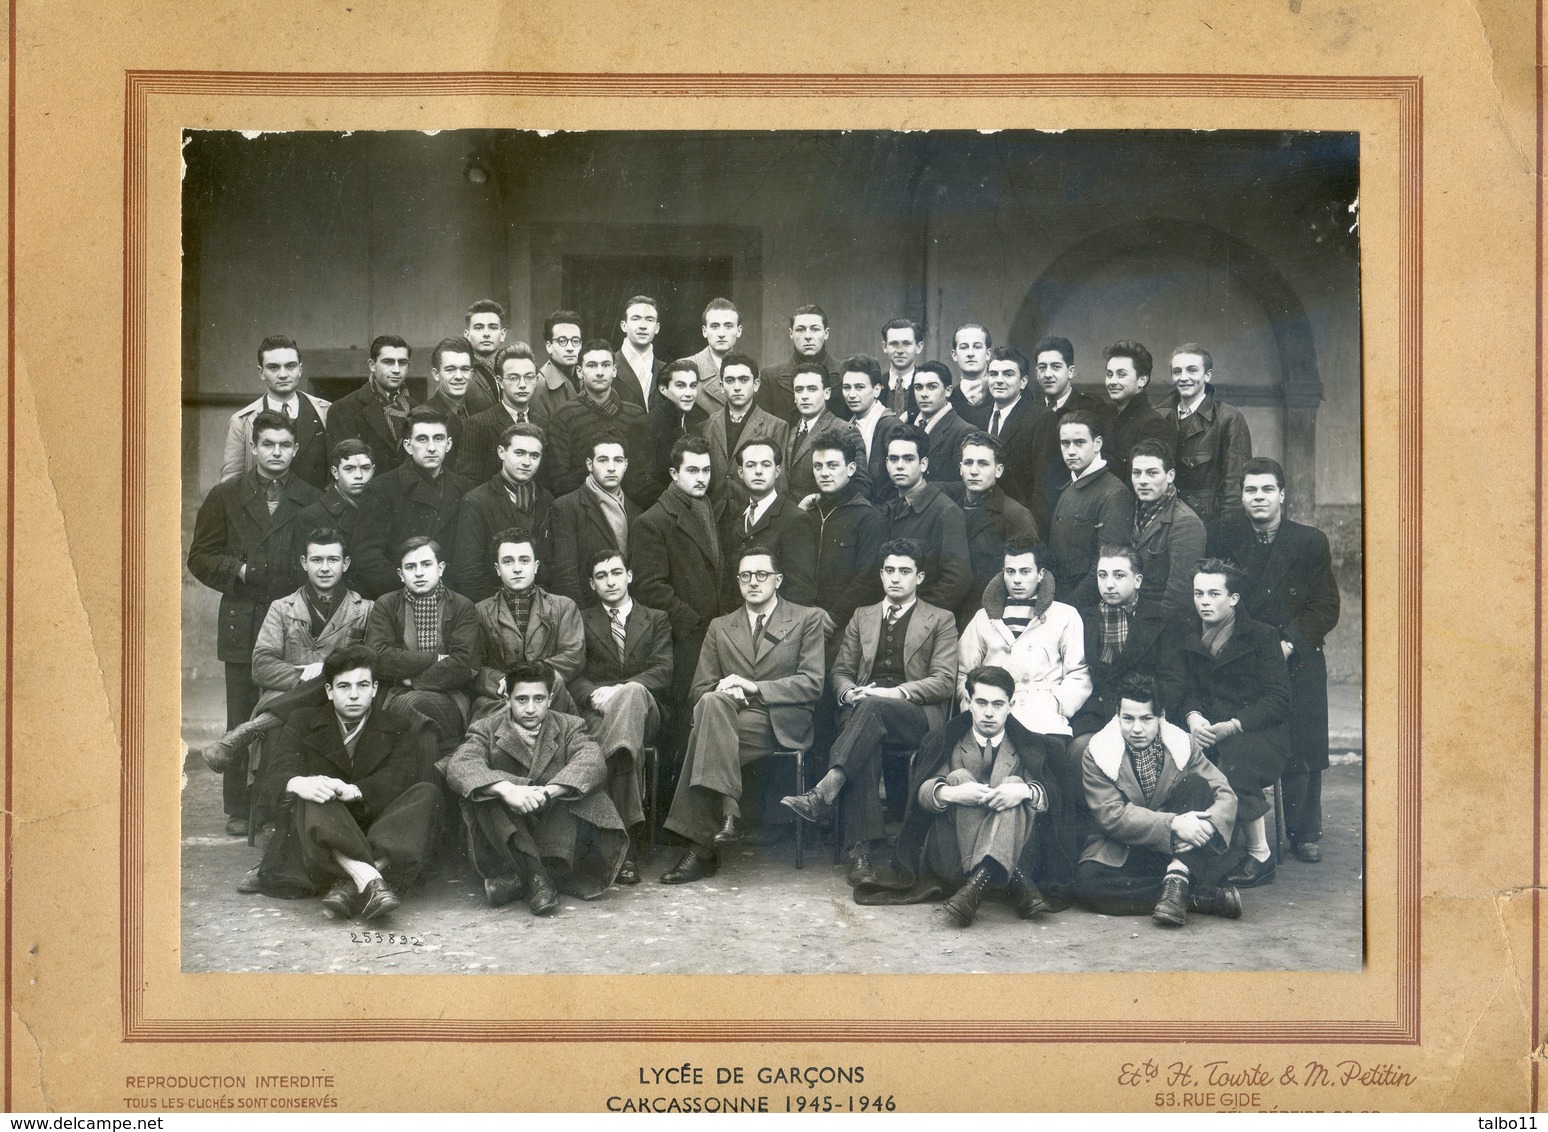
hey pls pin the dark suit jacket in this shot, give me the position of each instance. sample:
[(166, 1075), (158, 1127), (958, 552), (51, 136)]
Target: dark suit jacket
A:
[(781, 528), (486, 510), (332, 510), (398, 664), (1213, 445), (664, 426), (646, 659), (1169, 547), (386, 761), (1142, 652), (400, 505), (997, 520), (929, 657), (359, 416), (580, 530), (234, 529), (846, 546), (475, 456), (1049, 473), (457, 417), (574, 425), (872, 474), (627, 384), (673, 570), (1296, 594), (776, 383), (798, 455), (759, 424), (1015, 435), (943, 448), (1136, 422), (788, 667), (940, 528), (1246, 682)]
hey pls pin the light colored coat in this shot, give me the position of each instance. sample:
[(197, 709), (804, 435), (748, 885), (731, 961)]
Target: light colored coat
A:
[(1118, 804), (1048, 660), (929, 657), (285, 643)]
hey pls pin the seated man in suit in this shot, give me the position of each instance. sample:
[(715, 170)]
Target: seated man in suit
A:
[(595, 516), (771, 518), (626, 677), (1166, 815), (426, 641), (894, 678), (531, 780), (1226, 674), (349, 469), (417, 498), (758, 679), (360, 813), (512, 497), (976, 787), (298, 633), (523, 622)]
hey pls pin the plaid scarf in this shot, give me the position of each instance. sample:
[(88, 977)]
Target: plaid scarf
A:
[(395, 405), (520, 605), (520, 494), (1115, 630), (1147, 765), (1145, 513), (427, 617)]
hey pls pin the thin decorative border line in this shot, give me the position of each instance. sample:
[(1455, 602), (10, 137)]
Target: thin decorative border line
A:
[(1406, 90)]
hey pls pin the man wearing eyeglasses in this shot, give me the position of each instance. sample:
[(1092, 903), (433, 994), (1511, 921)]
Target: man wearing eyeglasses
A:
[(558, 384), (758, 680)]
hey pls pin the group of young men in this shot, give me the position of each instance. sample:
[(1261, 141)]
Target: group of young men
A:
[(1068, 641)]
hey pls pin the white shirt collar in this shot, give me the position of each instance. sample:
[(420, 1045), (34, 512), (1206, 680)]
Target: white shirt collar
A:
[(760, 508), (902, 609), (931, 422), (906, 381), (1091, 469), (1188, 408), (981, 740), (1068, 393), (625, 608)]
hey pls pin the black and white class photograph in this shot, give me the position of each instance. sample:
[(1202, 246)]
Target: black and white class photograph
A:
[(771, 552)]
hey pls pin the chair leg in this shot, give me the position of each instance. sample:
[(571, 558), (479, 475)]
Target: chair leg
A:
[(800, 768), (650, 771), (1279, 821)]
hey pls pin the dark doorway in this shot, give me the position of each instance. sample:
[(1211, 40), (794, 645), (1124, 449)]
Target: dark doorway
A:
[(596, 287)]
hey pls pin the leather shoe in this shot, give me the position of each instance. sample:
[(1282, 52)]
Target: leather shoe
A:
[(1224, 901), (963, 906), (217, 756), (860, 871), (730, 832), (1252, 872), (1172, 909), (500, 891), (809, 806), (249, 882), (380, 899), (1025, 898), (629, 871), (342, 901), (237, 827), (1308, 851), (543, 898), (694, 865)]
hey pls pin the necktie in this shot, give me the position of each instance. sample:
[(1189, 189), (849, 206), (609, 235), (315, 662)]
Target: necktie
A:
[(747, 520), (618, 630), (919, 421), (892, 617), (800, 432), (994, 423), (758, 634), (521, 416)]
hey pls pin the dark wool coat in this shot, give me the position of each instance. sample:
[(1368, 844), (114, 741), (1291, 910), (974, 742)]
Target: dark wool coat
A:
[(1169, 547), (580, 529), (996, 521), (487, 510), (1049, 472), (781, 528), (846, 549), (1135, 422), (573, 427), (1142, 652), (359, 416), (1213, 445), (399, 505), (1094, 509)]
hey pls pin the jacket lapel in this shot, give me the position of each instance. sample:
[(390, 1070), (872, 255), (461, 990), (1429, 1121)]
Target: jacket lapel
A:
[(537, 627), (914, 640), (547, 747), (868, 625), (371, 749)]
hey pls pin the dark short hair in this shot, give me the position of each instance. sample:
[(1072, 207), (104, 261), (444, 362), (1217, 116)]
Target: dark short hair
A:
[(639, 300), (838, 440), (1121, 550), (719, 304), (863, 363), (1263, 466), (760, 550), (992, 675), (904, 324), (809, 308), (559, 318), (1085, 417), (270, 421), (347, 658), (384, 341), (939, 369), (1156, 451), (1141, 688), (604, 554), (426, 414), (516, 535), (419, 542), (344, 449), (1195, 348), (681, 365), (735, 359), (607, 436), (903, 548), (1230, 571), (684, 445), (979, 439), (595, 346), (1016, 547), (528, 672), (514, 350), (1143, 362), (326, 536), (752, 442), (813, 367), (1011, 354), (1054, 342), (911, 433), (988, 338), (517, 428), (277, 342), (486, 306), (450, 346)]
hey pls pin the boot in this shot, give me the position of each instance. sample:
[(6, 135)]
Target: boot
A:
[(1224, 901), (963, 906), (218, 755), (1025, 898), (1172, 909)]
